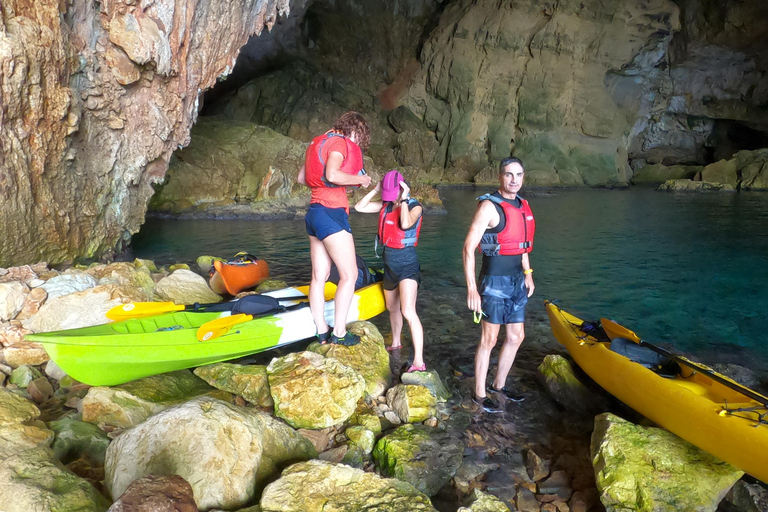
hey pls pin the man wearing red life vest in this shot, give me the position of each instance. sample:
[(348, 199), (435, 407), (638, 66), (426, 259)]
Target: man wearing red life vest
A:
[(502, 229), (333, 162)]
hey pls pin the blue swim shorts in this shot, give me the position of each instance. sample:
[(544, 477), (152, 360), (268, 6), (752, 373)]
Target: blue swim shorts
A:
[(504, 298), (323, 222)]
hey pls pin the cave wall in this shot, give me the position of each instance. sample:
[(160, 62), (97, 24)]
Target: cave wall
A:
[(96, 96)]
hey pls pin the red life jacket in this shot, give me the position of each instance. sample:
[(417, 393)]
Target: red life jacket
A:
[(323, 191), (390, 233), (517, 235)]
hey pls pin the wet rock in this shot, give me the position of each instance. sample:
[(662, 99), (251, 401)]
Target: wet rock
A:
[(40, 390), (744, 497), (81, 309), (78, 439), (16, 409), (75, 281), (558, 377), (34, 480), (362, 438), (655, 469), (247, 381), (369, 357), (23, 375), (582, 501), (185, 287), (152, 493), (412, 404), (694, 186), (312, 391), (12, 296), (525, 501), (538, 468), (425, 457), (480, 501), (17, 438), (317, 486), (430, 380), (257, 446), (557, 484)]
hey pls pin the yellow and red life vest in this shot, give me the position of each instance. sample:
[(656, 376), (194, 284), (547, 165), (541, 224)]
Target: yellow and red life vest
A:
[(390, 233), (517, 235)]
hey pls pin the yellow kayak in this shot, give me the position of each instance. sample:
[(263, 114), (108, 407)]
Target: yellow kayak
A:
[(703, 407)]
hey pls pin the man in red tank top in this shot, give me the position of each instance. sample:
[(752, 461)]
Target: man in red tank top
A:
[(333, 162)]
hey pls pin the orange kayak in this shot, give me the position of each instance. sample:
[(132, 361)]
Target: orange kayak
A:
[(232, 278)]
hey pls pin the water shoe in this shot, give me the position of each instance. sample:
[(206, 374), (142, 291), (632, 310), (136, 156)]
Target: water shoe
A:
[(347, 340), (486, 403), (324, 337), (508, 394)]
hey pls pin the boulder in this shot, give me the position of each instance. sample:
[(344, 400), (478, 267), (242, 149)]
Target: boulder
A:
[(694, 186), (136, 275), (480, 501), (753, 169), (17, 438), (32, 303), (649, 469), (18, 351), (724, 172), (15, 409), (249, 382), (361, 438), (64, 284), (78, 439), (558, 377), (23, 375), (430, 380), (745, 497), (312, 391), (12, 296), (425, 457), (189, 439), (319, 486), (170, 493), (369, 357), (412, 404), (185, 287)]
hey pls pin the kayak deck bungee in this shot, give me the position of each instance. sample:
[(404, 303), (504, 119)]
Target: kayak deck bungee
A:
[(699, 405), (119, 352)]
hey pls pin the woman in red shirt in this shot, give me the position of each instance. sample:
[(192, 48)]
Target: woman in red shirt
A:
[(333, 162)]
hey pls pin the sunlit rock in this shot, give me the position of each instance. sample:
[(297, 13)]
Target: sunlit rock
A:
[(412, 404), (247, 381), (15, 409), (187, 440), (430, 380), (650, 469), (186, 287), (425, 457), (480, 501), (317, 486), (32, 303), (312, 391), (17, 351), (18, 438), (77, 281), (361, 437), (369, 357), (12, 296)]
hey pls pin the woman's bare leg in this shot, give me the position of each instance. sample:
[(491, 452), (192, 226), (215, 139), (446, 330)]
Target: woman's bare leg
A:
[(340, 247), (321, 269), (395, 316), (408, 290)]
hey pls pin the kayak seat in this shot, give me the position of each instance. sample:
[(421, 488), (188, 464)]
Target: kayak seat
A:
[(646, 357)]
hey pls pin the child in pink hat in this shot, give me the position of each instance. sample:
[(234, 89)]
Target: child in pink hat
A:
[(399, 228)]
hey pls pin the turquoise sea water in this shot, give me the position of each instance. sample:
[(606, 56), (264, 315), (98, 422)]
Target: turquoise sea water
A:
[(688, 270)]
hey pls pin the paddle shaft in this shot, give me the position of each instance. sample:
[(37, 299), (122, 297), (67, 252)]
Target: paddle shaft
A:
[(712, 375)]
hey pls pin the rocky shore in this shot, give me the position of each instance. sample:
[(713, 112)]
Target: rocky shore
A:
[(312, 427)]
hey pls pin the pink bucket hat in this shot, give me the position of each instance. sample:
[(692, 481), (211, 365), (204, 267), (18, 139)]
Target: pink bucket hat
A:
[(390, 185)]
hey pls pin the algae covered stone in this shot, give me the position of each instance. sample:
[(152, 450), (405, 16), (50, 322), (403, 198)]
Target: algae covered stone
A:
[(369, 357), (312, 391), (78, 439), (430, 380), (225, 452), (652, 470), (319, 486), (15, 409), (557, 375), (423, 456), (247, 381), (480, 501), (412, 404)]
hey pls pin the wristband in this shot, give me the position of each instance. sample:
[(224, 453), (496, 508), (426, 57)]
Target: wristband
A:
[(529, 271)]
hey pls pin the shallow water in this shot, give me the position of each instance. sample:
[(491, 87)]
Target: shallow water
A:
[(688, 270)]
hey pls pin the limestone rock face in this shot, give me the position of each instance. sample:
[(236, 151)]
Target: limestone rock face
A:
[(98, 98), (423, 456), (188, 440), (650, 469), (317, 486), (312, 391)]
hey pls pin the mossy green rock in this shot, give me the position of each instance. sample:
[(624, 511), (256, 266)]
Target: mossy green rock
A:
[(170, 388), (23, 375), (148, 264), (364, 416), (652, 470), (15, 409), (18, 438), (34, 480), (557, 375), (423, 456), (724, 172), (694, 186), (430, 380), (361, 437), (311, 391), (320, 486), (271, 285), (369, 357), (480, 501), (78, 439), (247, 381), (412, 404)]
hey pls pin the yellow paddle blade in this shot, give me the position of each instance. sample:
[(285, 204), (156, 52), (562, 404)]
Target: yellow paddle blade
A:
[(215, 328), (140, 309), (614, 330), (329, 291)]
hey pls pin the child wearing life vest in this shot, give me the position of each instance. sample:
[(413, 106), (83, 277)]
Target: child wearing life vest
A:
[(399, 228)]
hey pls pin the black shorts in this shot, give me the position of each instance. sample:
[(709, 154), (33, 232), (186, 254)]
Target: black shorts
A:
[(504, 298), (400, 264)]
